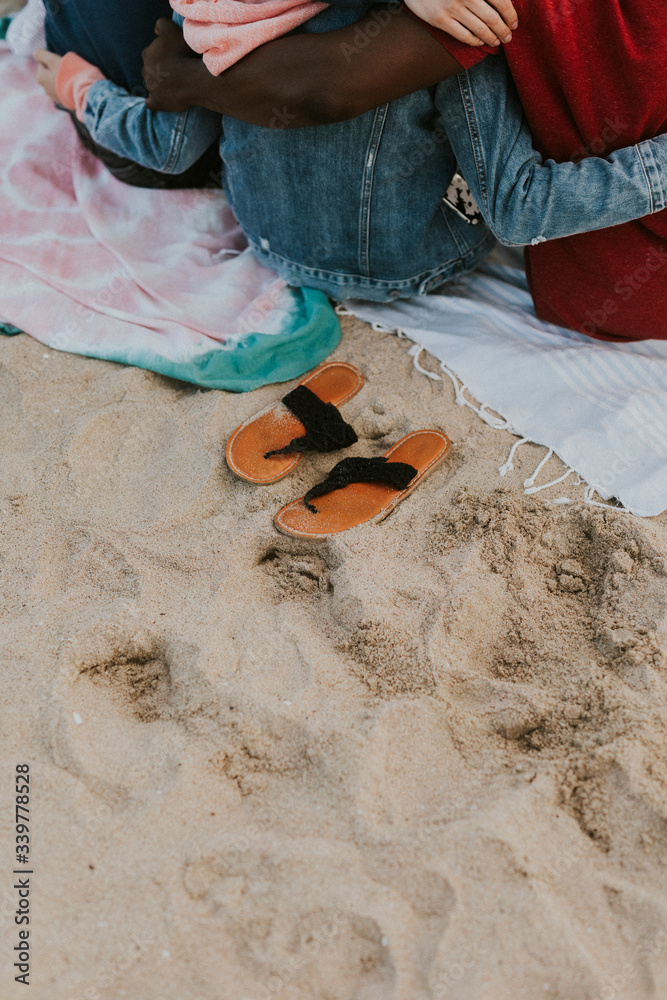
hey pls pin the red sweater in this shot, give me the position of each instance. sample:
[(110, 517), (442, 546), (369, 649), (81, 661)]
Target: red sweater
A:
[(592, 76)]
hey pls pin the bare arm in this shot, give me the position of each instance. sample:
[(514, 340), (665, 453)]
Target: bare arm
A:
[(308, 79)]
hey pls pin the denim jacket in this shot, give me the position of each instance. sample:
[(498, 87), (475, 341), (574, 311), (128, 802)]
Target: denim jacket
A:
[(356, 208), (168, 141), (525, 199)]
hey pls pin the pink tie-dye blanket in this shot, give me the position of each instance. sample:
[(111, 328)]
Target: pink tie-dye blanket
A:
[(157, 279)]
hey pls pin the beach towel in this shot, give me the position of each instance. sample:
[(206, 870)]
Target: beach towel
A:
[(158, 279), (601, 407)]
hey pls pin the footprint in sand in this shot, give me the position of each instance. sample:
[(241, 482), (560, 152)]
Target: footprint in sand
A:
[(109, 721), (619, 803), (253, 752), (409, 762), (382, 623), (296, 575), (84, 560), (566, 588), (316, 937), (134, 466)]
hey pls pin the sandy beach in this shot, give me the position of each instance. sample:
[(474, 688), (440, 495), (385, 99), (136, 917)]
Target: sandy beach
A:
[(418, 761)]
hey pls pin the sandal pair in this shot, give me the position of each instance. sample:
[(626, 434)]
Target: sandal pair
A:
[(269, 446)]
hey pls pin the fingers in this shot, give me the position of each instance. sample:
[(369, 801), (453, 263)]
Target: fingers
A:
[(474, 22), (164, 104), (491, 28), (467, 26), (165, 25), (47, 72), (458, 31), (48, 64), (149, 55), (47, 59), (506, 10)]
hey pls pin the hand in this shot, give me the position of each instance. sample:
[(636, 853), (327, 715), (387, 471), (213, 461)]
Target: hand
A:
[(304, 79), (47, 74), (171, 70), (475, 22)]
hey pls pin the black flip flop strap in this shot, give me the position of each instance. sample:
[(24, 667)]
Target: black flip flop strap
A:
[(362, 470), (325, 428)]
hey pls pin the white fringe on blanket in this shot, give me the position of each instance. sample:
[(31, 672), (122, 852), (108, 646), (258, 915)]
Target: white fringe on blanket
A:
[(600, 407)]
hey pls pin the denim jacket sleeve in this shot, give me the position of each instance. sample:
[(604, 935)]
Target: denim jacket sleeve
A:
[(523, 198), (167, 141)]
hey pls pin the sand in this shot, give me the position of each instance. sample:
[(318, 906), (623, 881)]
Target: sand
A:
[(422, 760), (8, 6)]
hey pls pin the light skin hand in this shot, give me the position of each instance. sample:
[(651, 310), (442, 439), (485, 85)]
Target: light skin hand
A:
[(475, 22), (49, 64)]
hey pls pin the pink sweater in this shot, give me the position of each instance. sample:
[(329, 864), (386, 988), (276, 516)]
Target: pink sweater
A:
[(74, 80), (223, 31)]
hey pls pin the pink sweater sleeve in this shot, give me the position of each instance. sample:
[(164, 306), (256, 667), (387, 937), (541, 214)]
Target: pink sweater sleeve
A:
[(224, 31), (74, 80)]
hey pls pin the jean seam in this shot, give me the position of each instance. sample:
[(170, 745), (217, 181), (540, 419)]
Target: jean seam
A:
[(478, 152), (460, 244), (454, 266), (93, 108), (473, 129), (650, 172), (177, 141), (367, 189)]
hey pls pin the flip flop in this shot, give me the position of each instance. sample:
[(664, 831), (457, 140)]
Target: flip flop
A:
[(359, 490), (269, 445)]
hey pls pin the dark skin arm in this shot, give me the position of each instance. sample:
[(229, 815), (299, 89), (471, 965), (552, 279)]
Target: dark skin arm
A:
[(300, 80)]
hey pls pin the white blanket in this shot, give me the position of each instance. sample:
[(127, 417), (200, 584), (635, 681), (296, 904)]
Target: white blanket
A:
[(601, 407), (26, 32)]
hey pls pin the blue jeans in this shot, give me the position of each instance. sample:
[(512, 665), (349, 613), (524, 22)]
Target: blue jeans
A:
[(339, 207), (112, 34), (98, 31), (144, 150)]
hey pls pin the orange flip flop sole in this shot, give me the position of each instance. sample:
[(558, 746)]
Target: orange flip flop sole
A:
[(361, 503), (334, 382)]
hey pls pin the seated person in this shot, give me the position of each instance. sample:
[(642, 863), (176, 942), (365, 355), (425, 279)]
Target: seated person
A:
[(347, 207), (588, 78), (111, 34)]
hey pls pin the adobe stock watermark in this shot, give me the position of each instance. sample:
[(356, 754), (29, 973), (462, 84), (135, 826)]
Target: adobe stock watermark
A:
[(616, 986), (614, 129), (280, 978), (426, 147), (369, 29), (625, 290)]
